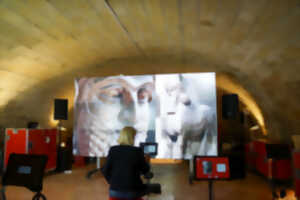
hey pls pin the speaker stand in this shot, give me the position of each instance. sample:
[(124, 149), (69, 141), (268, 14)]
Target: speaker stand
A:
[(59, 138), (191, 171), (93, 171), (211, 189)]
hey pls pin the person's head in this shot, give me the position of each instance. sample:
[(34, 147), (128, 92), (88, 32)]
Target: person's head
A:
[(127, 136)]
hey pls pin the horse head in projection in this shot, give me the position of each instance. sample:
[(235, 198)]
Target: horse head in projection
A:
[(186, 126)]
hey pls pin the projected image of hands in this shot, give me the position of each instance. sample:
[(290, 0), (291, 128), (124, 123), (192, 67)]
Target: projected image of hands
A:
[(178, 111)]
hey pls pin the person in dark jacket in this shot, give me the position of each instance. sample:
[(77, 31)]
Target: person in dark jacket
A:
[(124, 166)]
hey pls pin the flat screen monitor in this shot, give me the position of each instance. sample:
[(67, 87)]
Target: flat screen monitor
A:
[(211, 167), (149, 148)]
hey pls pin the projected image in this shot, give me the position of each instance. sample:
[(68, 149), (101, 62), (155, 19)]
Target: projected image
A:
[(186, 124), (177, 111), (103, 106)]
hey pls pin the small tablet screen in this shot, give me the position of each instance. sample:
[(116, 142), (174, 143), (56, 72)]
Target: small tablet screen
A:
[(221, 167), (24, 170), (149, 148)]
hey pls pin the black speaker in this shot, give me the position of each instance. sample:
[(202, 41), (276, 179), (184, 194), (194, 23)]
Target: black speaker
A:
[(242, 117), (237, 165), (230, 106), (61, 109), (237, 161), (64, 159), (32, 125), (278, 151)]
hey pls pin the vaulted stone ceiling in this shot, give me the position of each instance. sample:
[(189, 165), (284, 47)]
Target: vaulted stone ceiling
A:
[(253, 45)]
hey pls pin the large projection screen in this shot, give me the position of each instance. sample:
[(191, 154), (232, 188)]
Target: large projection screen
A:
[(178, 111)]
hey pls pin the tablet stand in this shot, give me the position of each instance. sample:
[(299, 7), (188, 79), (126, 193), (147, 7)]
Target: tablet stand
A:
[(210, 188), (210, 168)]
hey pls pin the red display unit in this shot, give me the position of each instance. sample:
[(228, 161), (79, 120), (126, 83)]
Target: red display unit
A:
[(31, 141), (43, 141), (296, 166), (271, 160), (261, 161), (250, 155), (207, 168), (16, 141)]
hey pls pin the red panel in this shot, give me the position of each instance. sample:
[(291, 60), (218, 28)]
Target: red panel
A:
[(79, 161), (36, 142), (15, 142), (215, 174), (43, 141), (50, 146), (296, 161), (250, 155), (296, 157), (282, 169), (260, 157), (260, 148), (251, 159), (262, 165), (297, 187)]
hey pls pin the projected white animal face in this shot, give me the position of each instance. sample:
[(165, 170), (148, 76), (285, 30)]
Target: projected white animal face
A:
[(183, 128), (111, 104)]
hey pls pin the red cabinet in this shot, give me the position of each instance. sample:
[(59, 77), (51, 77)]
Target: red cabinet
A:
[(16, 141), (43, 141), (31, 141), (275, 168), (296, 161)]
